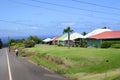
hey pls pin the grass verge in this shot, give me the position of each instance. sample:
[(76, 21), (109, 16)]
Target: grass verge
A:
[(75, 61)]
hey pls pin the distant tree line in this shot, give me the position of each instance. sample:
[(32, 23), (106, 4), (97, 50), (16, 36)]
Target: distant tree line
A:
[(1, 43), (31, 41)]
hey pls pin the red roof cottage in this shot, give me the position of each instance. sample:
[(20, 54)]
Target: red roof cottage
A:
[(96, 40), (107, 35)]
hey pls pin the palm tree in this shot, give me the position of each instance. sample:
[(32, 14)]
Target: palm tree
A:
[(68, 30), (84, 33), (104, 27)]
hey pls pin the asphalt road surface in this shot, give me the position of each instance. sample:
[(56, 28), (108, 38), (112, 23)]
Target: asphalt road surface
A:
[(16, 68)]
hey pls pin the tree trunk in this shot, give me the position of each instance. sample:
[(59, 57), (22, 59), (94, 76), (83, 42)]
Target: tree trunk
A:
[(68, 39)]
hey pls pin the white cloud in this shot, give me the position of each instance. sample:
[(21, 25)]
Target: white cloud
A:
[(35, 28), (67, 23)]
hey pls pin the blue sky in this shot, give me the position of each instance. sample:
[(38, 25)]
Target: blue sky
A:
[(50, 17)]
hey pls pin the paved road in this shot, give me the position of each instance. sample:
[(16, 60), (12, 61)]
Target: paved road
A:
[(16, 68)]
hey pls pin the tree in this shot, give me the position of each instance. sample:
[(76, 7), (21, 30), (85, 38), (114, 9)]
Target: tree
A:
[(68, 30), (84, 33), (1, 44), (22, 40), (29, 43), (104, 27), (35, 39)]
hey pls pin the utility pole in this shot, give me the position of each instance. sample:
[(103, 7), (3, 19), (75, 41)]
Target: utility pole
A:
[(9, 43)]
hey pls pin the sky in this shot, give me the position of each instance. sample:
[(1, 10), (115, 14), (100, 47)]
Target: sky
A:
[(50, 17)]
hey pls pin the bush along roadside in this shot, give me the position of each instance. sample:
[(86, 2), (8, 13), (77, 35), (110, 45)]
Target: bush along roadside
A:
[(31, 41)]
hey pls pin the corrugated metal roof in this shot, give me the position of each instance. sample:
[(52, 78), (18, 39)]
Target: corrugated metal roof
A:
[(47, 40), (74, 36), (55, 38), (107, 35), (62, 37), (95, 32)]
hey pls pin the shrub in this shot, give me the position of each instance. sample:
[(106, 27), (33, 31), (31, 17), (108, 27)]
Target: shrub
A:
[(12, 44), (29, 43), (115, 46), (20, 45), (35, 39), (117, 78), (60, 44), (106, 44)]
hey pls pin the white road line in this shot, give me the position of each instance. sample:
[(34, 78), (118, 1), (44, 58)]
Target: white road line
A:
[(9, 69)]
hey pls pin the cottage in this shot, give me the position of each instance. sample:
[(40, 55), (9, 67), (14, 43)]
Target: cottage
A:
[(96, 40)]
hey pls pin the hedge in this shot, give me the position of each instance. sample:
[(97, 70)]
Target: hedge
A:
[(108, 44), (115, 46)]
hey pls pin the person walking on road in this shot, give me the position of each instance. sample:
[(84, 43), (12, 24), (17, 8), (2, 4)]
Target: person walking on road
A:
[(16, 52)]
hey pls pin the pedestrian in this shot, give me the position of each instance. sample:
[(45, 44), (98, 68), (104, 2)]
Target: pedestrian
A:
[(16, 52)]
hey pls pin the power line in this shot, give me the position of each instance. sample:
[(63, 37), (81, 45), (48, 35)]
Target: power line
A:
[(22, 3), (60, 5), (16, 23), (83, 2), (26, 4)]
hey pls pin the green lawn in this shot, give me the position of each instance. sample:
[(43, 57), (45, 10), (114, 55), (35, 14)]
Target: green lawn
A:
[(75, 61)]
